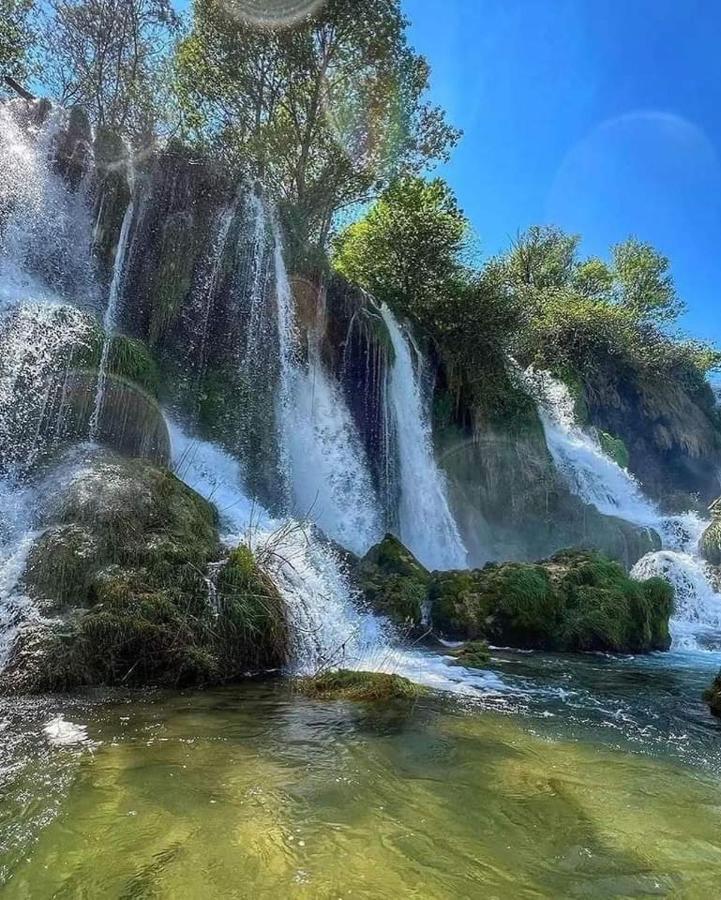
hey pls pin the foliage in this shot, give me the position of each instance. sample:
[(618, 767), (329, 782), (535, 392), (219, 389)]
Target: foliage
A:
[(326, 113), (573, 601), (16, 36), (110, 57), (412, 250), (344, 684)]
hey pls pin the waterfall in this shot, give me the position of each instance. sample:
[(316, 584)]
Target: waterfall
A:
[(426, 523), (327, 627), (599, 481), (110, 316), (322, 455)]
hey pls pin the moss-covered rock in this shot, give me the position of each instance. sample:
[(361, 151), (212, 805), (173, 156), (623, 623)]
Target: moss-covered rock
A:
[(130, 578), (573, 601), (615, 448), (712, 696), (394, 583), (344, 684), (710, 545), (473, 655)]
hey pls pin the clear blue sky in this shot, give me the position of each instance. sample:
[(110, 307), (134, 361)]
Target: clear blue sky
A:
[(601, 116)]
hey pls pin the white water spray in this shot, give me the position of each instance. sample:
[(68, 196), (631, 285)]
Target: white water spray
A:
[(322, 454), (327, 627), (601, 482), (427, 526), (110, 317)]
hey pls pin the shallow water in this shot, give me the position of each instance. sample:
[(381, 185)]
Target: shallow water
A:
[(584, 777)]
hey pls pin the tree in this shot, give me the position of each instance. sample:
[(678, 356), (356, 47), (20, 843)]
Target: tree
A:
[(542, 257), (108, 56), (15, 37), (326, 112), (644, 284), (406, 251)]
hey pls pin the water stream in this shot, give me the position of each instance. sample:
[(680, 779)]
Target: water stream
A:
[(600, 481)]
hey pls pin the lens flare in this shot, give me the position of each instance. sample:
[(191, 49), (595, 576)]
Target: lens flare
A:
[(273, 13), (365, 114)]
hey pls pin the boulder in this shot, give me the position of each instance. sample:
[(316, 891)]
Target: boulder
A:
[(712, 696), (394, 583), (133, 588), (710, 545)]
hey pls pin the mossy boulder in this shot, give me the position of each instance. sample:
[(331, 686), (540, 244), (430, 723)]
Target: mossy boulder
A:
[(344, 684), (710, 545), (573, 601), (130, 578), (712, 696), (394, 583), (473, 655)]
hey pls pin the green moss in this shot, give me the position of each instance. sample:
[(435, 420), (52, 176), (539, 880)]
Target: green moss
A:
[(615, 448), (363, 686), (394, 583), (130, 358), (129, 568), (254, 628), (473, 655), (573, 601)]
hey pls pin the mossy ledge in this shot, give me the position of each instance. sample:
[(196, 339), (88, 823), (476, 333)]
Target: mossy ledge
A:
[(573, 601), (133, 587), (344, 684)]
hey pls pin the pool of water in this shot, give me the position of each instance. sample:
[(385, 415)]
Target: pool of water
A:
[(558, 777)]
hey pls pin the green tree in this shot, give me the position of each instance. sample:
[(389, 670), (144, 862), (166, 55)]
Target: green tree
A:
[(644, 284), (326, 112), (109, 57), (16, 37), (406, 251)]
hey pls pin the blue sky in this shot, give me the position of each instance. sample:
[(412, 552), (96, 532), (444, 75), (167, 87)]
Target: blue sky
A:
[(601, 116)]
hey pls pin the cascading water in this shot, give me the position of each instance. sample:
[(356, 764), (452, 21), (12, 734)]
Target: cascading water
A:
[(426, 522), (110, 316), (601, 482), (326, 625), (322, 455)]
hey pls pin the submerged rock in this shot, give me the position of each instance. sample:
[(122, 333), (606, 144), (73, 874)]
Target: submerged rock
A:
[(131, 584), (712, 696), (344, 684)]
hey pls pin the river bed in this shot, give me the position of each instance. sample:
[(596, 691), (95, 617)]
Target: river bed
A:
[(566, 776)]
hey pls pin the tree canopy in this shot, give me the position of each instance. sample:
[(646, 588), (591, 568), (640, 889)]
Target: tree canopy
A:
[(15, 37), (326, 113)]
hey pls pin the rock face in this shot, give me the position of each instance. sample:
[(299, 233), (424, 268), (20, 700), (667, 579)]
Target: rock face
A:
[(573, 601), (131, 580), (510, 500)]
